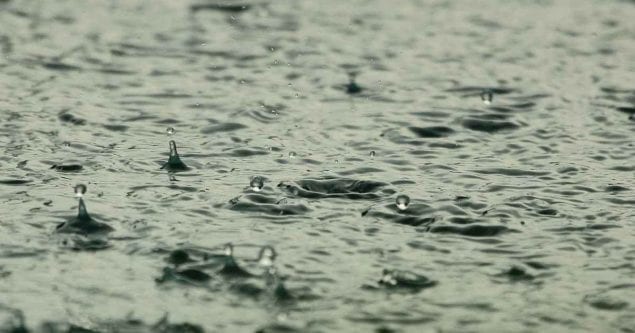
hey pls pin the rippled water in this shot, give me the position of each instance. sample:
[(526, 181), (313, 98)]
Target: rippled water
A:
[(521, 213)]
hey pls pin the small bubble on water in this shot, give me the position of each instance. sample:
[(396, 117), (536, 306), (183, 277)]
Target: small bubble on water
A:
[(170, 130), (257, 183), (402, 201), (292, 154), (487, 96), (80, 189), (372, 153)]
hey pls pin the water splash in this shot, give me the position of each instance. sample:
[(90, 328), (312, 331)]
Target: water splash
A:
[(230, 267), (352, 87), (257, 183), (398, 279), (83, 223), (174, 162)]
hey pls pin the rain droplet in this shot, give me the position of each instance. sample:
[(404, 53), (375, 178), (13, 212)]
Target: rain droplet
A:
[(229, 249), (257, 183), (487, 96), (402, 201), (292, 154), (267, 256), (372, 153), (170, 130), (66, 144), (80, 189)]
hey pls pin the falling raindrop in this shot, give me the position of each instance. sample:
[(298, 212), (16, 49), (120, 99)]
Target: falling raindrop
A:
[(487, 96), (292, 154), (402, 201), (372, 153), (257, 183), (267, 256), (80, 189), (170, 130), (229, 249)]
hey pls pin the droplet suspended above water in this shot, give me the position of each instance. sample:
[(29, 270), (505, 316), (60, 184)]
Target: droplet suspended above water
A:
[(372, 153), (257, 183), (170, 130), (229, 249), (80, 189), (266, 256), (402, 201), (487, 96)]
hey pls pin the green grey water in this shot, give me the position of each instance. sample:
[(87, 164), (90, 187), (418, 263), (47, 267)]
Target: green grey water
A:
[(521, 215)]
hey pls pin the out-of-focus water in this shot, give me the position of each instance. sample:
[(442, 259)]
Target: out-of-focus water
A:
[(519, 213)]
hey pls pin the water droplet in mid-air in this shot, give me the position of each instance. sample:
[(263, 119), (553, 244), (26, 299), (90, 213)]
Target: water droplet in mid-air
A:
[(292, 154), (170, 130), (487, 96), (372, 153), (267, 256), (257, 183), (80, 189), (229, 249), (402, 201)]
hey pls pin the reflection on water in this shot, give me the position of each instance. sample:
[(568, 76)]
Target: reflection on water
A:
[(426, 166)]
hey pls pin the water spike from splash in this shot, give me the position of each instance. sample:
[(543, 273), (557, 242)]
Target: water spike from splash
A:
[(174, 162), (82, 212)]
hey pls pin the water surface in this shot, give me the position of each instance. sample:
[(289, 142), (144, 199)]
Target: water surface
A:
[(521, 214)]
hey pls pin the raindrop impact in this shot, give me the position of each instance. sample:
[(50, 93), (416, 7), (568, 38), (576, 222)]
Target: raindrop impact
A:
[(80, 189), (487, 96), (174, 161), (352, 87), (402, 202), (257, 183)]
